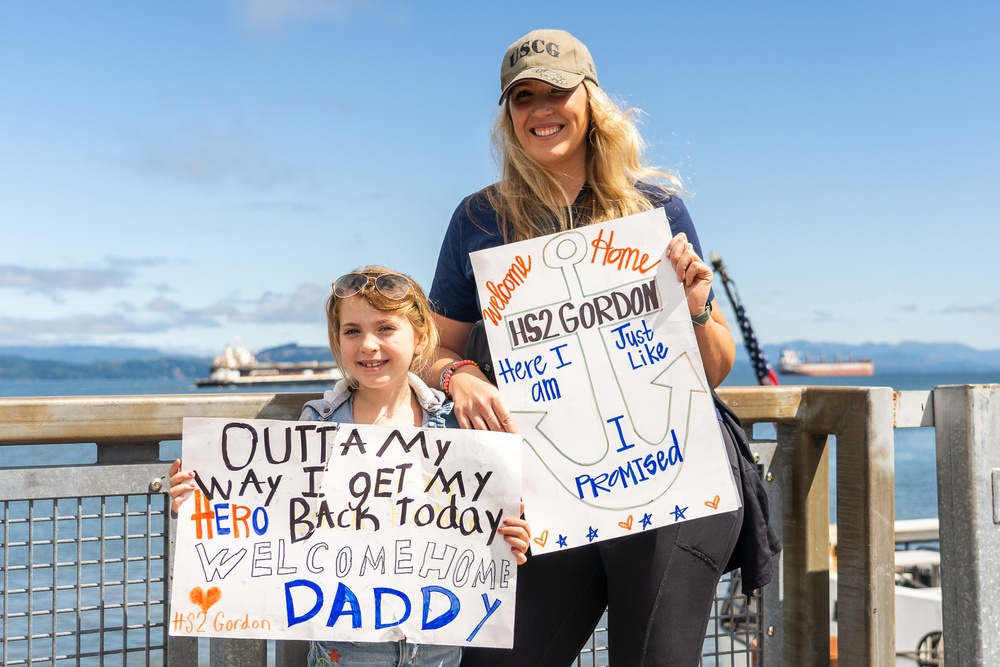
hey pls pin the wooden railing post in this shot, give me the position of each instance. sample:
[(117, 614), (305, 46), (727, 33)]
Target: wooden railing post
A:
[(803, 459), (866, 590), (237, 652)]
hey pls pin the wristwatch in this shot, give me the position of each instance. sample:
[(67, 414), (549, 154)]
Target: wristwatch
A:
[(702, 317)]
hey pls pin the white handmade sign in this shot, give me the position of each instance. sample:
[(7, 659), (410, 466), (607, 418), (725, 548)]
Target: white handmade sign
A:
[(595, 356), (317, 530)]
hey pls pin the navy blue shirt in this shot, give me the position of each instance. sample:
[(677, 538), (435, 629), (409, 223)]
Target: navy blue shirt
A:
[(476, 226)]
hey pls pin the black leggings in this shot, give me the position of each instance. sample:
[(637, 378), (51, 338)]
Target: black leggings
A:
[(657, 586)]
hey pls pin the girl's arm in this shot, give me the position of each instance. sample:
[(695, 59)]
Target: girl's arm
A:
[(517, 533), (181, 484)]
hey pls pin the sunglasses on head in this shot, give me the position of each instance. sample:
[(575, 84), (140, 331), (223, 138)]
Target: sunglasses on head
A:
[(390, 285)]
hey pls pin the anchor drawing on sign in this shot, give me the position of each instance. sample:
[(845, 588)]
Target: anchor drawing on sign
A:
[(603, 397)]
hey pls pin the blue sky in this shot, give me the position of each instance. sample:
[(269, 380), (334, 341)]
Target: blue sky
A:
[(190, 173)]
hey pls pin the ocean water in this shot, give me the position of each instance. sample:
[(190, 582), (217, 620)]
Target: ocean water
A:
[(916, 480)]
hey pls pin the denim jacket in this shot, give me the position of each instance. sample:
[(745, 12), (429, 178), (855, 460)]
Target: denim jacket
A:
[(337, 405)]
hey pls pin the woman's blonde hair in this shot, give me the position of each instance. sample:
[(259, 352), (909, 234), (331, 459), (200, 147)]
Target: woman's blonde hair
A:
[(414, 306), (527, 197)]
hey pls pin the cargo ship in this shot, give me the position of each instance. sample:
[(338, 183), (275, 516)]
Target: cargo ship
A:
[(793, 363), (239, 366)]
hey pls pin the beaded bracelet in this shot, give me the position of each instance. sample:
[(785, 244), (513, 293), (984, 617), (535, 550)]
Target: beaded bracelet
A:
[(446, 376)]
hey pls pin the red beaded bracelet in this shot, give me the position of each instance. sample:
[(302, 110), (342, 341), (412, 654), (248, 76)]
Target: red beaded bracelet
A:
[(446, 376)]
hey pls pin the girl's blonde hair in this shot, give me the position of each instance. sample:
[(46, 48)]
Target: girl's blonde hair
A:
[(528, 197), (414, 306)]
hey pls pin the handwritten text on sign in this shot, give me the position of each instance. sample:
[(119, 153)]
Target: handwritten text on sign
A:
[(316, 530), (595, 356)]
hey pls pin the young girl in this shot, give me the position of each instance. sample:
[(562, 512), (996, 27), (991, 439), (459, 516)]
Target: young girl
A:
[(381, 333)]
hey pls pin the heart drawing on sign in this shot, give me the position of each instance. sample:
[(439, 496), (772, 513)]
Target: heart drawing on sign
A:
[(203, 599), (627, 523), (542, 539), (713, 503)]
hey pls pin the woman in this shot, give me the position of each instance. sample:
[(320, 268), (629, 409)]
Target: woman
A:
[(570, 157)]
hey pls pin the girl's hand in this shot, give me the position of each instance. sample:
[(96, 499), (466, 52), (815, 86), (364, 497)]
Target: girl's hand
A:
[(694, 274), (477, 402), (517, 533), (181, 484)]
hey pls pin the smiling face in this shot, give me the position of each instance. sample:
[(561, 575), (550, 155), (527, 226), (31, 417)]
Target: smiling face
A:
[(551, 125), (377, 347)]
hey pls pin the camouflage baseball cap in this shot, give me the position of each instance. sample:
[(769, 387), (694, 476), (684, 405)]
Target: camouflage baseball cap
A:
[(553, 56)]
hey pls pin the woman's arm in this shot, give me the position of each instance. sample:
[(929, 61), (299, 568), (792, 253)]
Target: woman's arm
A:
[(477, 402), (715, 342)]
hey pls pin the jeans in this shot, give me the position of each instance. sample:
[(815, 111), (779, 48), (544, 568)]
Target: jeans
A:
[(382, 654)]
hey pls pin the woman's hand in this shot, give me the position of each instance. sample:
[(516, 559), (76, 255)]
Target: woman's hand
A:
[(695, 274), (477, 402), (181, 484), (517, 533)]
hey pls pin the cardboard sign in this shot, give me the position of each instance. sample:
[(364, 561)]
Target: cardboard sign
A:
[(318, 530), (596, 358)]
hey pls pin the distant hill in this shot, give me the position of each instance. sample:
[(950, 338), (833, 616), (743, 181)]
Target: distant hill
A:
[(95, 362), (293, 352), (75, 362), (165, 368), (81, 354)]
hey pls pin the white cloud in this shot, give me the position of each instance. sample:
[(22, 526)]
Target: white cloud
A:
[(992, 308), (304, 305), (77, 325), (52, 282)]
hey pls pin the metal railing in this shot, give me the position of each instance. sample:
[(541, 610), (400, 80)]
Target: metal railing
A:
[(84, 578), (47, 610)]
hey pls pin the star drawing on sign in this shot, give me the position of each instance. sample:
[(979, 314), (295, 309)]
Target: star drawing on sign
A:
[(592, 534), (678, 512), (562, 541), (646, 520)]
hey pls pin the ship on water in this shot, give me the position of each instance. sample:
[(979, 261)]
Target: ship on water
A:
[(238, 366), (794, 363)]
